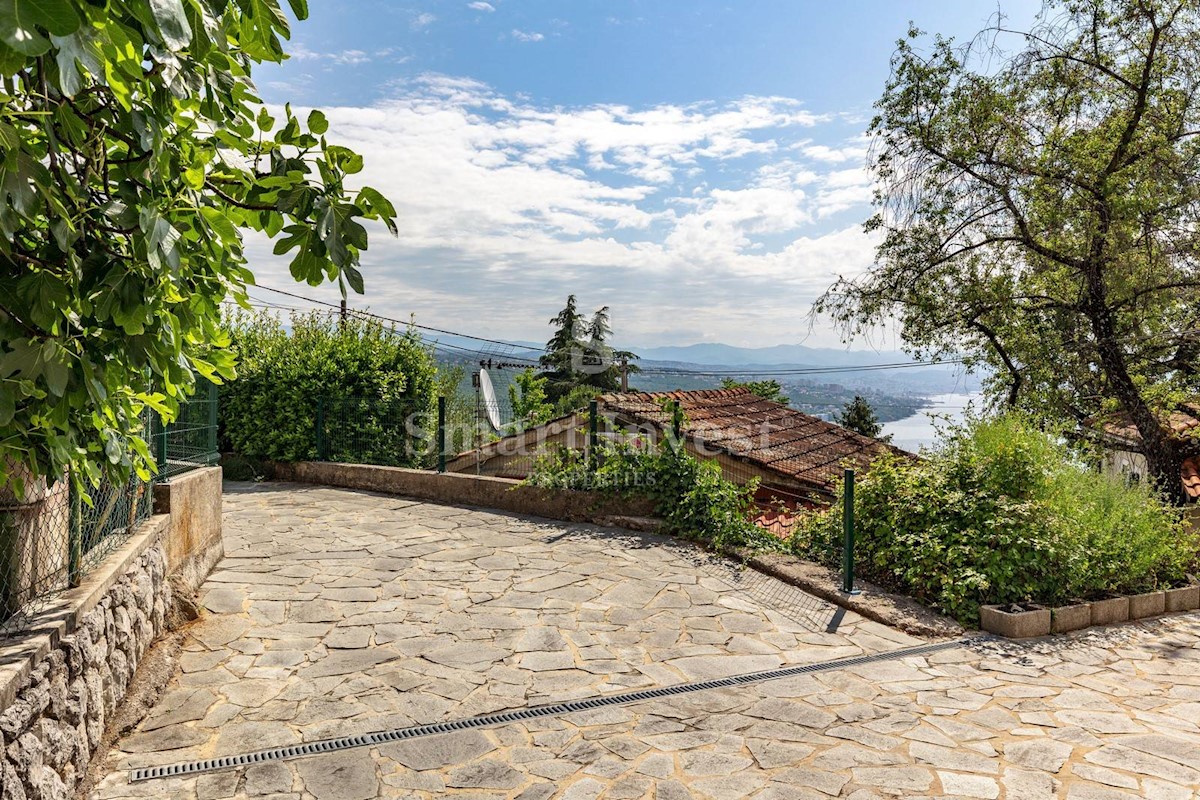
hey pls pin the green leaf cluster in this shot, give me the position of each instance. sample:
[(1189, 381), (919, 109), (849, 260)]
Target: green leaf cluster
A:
[(372, 379), (691, 495), (134, 153), (767, 389), (527, 399), (998, 512), (1037, 202)]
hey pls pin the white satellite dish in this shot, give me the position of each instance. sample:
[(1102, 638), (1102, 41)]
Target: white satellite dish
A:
[(488, 397)]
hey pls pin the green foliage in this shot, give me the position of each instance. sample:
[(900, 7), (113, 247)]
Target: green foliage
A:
[(461, 410), (133, 151), (859, 417), (767, 390), (578, 354), (691, 495), (575, 400), (999, 513), (1036, 214), (371, 377), (527, 398)]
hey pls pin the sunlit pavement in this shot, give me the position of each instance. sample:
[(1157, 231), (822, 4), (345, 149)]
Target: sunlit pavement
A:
[(339, 612)]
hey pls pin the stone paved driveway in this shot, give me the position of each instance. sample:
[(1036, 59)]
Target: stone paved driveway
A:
[(338, 612)]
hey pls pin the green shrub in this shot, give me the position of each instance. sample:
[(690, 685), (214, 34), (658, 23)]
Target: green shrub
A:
[(370, 379), (690, 494), (1127, 539), (999, 512)]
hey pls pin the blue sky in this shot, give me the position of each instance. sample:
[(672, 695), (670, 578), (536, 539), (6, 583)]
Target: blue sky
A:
[(698, 167)]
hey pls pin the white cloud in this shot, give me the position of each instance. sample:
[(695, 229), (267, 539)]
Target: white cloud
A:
[(701, 221), (423, 20), (344, 57), (522, 36), (853, 152), (480, 6)]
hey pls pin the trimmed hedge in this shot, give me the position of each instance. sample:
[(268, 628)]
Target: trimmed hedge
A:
[(270, 410)]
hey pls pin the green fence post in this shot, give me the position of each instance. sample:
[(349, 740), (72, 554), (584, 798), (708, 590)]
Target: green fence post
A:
[(320, 429), (160, 447), (592, 432), (676, 426), (441, 434), (848, 533), (75, 545), (211, 448)]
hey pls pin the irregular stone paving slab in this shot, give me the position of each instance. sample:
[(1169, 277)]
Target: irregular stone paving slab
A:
[(337, 612)]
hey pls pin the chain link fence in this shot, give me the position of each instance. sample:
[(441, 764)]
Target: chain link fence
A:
[(54, 535), (405, 432), (191, 440)]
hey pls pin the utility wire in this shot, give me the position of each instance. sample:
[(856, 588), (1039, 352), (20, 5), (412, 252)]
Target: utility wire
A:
[(403, 322), (672, 371), (448, 349), (736, 371)]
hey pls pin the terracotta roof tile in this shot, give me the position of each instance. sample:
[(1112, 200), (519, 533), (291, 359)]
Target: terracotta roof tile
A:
[(1182, 422), (761, 432), (776, 522), (1191, 478)]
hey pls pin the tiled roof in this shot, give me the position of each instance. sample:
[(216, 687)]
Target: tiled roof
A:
[(776, 522), (1182, 421), (1191, 478), (761, 432)]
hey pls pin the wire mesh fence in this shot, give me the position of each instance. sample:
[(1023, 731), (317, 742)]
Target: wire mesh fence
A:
[(366, 430), (191, 440), (406, 432), (53, 535)]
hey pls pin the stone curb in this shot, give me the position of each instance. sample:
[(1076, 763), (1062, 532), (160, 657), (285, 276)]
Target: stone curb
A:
[(872, 602)]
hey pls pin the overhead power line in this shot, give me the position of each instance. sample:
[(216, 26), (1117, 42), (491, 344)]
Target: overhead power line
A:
[(672, 371), (445, 347), (405, 322), (739, 371)]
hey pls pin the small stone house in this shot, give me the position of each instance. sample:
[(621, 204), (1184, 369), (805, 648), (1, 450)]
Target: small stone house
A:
[(796, 457)]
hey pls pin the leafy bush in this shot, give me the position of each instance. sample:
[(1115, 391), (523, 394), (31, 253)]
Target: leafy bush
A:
[(1000, 513), (371, 379), (691, 495)]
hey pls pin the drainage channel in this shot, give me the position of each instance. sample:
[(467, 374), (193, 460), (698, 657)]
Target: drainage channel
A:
[(520, 715)]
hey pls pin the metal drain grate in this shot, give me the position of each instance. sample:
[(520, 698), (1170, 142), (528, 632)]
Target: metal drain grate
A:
[(533, 712)]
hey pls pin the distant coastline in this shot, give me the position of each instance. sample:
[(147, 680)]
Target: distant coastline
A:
[(919, 429)]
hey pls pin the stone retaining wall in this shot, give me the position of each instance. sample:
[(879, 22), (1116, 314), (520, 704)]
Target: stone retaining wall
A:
[(57, 717), (472, 490), (62, 678)]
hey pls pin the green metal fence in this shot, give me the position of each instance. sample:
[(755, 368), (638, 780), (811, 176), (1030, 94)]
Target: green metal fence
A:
[(400, 432), (396, 432), (191, 440), (54, 535)]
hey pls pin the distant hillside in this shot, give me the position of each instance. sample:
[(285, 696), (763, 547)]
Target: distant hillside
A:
[(714, 354), (911, 383)]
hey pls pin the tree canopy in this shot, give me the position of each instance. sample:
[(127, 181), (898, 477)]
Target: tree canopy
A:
[(859, 417), (1037, 206), (133, 153), (578, 354), (767, 390)]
